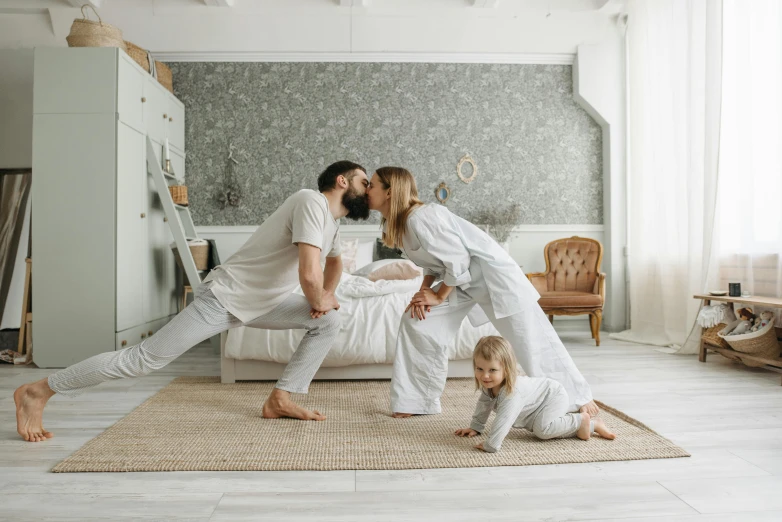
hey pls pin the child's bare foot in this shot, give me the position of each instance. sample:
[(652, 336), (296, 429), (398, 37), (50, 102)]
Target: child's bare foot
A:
[(279, 404), (584, 431), (398, 415), (30, 400), (603, 431)]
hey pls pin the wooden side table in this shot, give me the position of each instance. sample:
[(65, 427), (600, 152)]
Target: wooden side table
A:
[(775, 365)]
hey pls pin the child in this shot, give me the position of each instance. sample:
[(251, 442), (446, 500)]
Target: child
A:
[(538, 404)]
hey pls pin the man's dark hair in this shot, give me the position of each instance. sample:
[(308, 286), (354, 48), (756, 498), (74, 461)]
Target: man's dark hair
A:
[(328, 179)]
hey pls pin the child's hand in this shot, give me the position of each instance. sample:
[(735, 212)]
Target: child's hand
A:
[(466, 432), (480, 446)]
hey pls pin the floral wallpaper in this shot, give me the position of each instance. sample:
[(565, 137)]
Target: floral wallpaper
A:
[(283, 123)]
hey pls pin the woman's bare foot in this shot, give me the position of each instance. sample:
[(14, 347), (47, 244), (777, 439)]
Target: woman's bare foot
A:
[(30, 400), (590, 408), (279, 404), (584, 431), (398, 415), (602, 430)]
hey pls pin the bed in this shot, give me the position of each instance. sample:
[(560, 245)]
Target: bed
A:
[(365, 348)]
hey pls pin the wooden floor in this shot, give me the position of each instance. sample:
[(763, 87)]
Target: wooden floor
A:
[(727, 416)]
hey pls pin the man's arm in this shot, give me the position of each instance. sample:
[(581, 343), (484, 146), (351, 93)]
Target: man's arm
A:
[(311, 279), (332, 273)]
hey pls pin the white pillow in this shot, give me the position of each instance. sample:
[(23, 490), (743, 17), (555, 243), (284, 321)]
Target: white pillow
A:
[(364, 253), (349, 248), (389, 269)]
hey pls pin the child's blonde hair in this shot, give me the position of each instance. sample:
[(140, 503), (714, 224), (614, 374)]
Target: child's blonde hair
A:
[(496, 348)]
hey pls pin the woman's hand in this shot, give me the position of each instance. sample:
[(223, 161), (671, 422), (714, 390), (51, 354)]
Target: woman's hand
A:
[(466, 432), (418, 311), (426, 297)]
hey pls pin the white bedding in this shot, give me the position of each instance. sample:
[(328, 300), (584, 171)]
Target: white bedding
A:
[(370, 319)]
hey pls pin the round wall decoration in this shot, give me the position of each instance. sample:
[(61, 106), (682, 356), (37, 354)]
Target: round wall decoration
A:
[(460, 168)]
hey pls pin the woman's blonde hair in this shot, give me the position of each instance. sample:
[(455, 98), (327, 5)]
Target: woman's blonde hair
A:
[(404, 199), (496, 348)]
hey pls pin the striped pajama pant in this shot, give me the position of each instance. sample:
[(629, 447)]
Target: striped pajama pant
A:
[(202, 319)]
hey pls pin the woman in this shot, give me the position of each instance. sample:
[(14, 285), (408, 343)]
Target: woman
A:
[(474, 269)]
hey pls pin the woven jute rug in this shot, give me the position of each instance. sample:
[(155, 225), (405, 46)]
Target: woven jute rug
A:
[(199, 424)]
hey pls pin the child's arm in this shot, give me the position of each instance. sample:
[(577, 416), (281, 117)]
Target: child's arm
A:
[(482, 411), (507, 412)]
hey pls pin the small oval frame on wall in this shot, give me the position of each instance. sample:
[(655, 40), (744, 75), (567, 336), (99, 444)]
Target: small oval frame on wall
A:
[(467, 159), (442, 193)]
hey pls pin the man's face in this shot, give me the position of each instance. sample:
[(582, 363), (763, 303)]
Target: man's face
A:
[(355, 199)]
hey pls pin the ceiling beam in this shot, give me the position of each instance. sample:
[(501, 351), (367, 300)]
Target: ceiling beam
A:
[(219, 3)]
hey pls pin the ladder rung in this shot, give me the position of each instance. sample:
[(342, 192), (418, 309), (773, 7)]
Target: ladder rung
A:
[(169, 176)]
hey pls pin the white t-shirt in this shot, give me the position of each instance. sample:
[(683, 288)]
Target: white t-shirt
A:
[(265, 270)]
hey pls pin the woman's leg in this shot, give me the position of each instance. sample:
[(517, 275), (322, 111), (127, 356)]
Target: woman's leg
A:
[(421, 358), (202, 319), (540, 352)]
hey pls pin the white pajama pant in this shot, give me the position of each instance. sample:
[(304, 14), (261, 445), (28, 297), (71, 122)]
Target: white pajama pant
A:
[(553, 419), (421, 359), (202, 319)]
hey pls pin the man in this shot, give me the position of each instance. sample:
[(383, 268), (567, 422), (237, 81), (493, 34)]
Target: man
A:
[(252, 288)]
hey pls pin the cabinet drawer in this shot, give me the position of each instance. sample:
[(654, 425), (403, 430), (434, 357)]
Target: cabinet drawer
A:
[(155, 110), (176, 123), (130, 93)]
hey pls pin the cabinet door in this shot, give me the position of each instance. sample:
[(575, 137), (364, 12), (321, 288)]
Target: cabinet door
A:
[(130, 93), (131, 226), (155, 110), (176, 123), (160, 276), (178, 165)]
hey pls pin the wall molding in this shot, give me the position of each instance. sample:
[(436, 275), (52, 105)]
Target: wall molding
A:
[(500, 58)]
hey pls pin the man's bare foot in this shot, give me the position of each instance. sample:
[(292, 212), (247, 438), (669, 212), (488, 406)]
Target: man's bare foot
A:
[(398, 415), (584, 431), (590, 408), (602, 430), (30, 400), (279, 404)]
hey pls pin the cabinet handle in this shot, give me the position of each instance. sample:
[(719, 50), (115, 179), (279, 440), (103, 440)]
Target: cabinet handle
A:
[(171, 119), (143, 100), (165, 220), (143, 336), (165, 116), (124, 343), (143, 215), (149, 332)]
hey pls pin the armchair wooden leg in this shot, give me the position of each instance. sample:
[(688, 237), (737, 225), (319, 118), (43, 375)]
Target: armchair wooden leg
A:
[(592, 325), (598, 320), (551, 319)]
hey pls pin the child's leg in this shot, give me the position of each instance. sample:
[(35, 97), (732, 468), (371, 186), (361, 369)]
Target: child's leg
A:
[(553, 420)]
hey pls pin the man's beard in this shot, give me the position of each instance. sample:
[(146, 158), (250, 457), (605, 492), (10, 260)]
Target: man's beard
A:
[(356, 203)]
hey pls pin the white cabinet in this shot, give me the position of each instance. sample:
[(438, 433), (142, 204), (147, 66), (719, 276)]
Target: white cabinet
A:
[(105, 275)]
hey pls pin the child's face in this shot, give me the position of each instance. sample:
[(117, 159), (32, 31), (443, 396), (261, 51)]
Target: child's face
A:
[(489, 373)]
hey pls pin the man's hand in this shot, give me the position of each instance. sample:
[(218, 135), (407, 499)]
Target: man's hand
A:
[(327, 303)]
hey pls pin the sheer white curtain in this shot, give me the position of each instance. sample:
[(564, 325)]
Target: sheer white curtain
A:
[(674, 61), (749, 222), (705, 81)]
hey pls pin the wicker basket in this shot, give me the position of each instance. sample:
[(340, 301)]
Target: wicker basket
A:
[(164, 76), (200, 251), (179, 194), (711, 336), (762, 343), (138, 54), (87, 33)]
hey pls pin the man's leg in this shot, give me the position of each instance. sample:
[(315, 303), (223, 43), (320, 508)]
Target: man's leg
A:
[(203, 318), (421, 358), (294, 314)]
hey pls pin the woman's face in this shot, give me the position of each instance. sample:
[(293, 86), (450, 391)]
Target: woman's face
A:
[(377, 195)]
